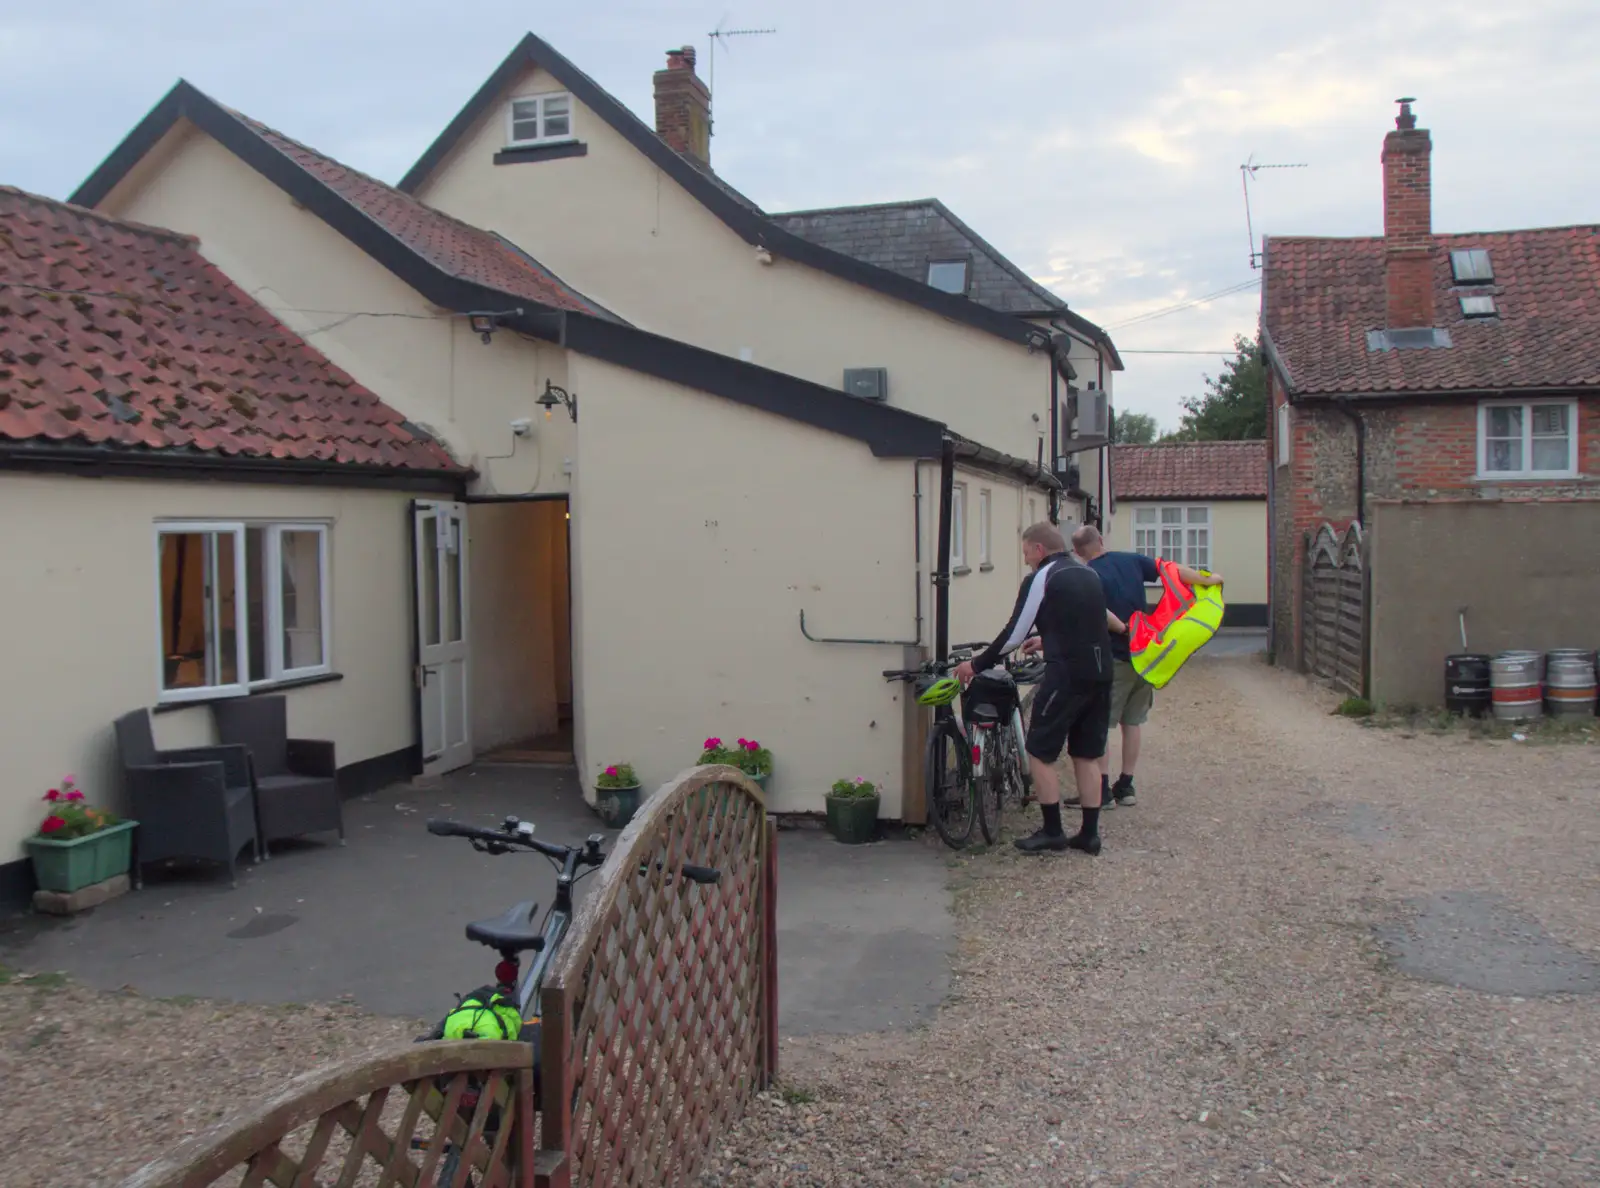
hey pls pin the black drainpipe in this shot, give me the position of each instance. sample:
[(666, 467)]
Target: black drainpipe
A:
[(1343, 406), (1055, 432), (941, 579)]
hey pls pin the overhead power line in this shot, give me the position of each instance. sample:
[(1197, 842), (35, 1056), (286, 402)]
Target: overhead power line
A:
[(1204, 298)]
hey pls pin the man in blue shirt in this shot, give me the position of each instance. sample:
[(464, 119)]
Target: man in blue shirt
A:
[(1124, 576)]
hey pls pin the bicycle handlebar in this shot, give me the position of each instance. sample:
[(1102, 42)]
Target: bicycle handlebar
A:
[(441, 828), (588, 855)]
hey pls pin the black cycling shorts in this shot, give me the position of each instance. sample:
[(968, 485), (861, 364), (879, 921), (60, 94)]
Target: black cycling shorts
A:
[(1076, 718)]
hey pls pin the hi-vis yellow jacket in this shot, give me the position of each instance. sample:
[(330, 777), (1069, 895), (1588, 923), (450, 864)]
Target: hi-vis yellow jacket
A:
[(1179, 627)]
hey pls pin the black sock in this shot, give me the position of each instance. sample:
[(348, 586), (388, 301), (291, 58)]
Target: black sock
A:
[(1125, 782), (1105, 788), (1091, 823), (1052, 819)]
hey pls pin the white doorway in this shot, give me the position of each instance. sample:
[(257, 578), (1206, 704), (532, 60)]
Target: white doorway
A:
[(443, 625)]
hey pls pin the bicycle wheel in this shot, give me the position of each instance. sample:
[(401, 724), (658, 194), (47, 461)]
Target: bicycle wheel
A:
[(1012, 770), (989, 782), (951, 803)]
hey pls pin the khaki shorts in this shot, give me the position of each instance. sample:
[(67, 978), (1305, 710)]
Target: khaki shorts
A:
[(1131, 695)]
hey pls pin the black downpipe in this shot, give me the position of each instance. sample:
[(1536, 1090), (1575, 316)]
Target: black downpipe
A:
[(1055, 434), (1103, 486), (1361, 459), (941, 579)]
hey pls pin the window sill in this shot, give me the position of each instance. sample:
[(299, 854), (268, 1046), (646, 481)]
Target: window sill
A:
[(986, 567), (321, 678), (960, 571), (554, 150), (1522, 476)]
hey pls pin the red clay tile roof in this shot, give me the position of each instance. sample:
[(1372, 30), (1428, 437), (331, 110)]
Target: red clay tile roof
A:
[(460, 249), (121, 335), (1321, 296), (1190, 470)]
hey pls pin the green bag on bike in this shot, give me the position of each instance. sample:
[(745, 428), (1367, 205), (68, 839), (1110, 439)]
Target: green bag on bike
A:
[(487, 1013)]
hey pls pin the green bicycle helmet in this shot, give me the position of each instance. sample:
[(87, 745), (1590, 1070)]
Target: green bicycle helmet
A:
[(937, 690)]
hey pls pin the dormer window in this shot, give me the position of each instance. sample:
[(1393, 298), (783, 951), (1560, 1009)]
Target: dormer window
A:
[(540, 119), (950, 276), (1472, 267)]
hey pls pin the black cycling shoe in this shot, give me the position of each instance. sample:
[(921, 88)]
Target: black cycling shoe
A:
[(1122, 792), (1041, 842), (1089, 845)]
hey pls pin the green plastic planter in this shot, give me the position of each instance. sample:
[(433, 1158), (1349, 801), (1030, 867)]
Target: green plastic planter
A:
[(853, 820), (616, 806), (83, 861)]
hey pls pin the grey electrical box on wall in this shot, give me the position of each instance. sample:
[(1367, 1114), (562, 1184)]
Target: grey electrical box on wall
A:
[(867, 383)]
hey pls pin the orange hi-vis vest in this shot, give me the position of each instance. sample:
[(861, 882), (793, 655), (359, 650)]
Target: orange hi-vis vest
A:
[(1184, 620)]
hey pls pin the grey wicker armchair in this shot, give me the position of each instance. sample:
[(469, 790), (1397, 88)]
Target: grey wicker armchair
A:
[(296, 779), (194, 802)]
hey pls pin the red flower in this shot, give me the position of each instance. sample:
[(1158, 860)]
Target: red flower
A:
[(74, 795), (611, 771), (713, 743), (52, 795), (752, 745), (52, 824)]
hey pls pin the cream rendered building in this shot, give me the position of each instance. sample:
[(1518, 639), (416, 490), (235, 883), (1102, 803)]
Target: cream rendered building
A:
[(655, 484)]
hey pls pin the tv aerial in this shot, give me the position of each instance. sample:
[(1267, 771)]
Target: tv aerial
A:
[(1247, 174), (723, 34)]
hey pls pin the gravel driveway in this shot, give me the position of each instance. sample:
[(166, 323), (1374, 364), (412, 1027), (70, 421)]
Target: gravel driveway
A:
[(1210, 1003), (1222, 998)]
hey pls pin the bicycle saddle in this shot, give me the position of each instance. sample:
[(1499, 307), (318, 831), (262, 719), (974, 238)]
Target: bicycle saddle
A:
[(515, 932)]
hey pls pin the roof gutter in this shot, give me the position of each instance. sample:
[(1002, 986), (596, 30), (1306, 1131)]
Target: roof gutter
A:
[(108, 462), (981, 457)]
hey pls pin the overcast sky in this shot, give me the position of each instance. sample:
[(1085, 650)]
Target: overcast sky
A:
[(1096, 145)]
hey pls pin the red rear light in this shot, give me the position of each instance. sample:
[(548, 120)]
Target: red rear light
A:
[(977, 754), (506, 973)]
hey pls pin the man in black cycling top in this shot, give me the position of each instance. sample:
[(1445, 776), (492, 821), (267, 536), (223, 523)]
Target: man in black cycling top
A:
[(1072, 707)]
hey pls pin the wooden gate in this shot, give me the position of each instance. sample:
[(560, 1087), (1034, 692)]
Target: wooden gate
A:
[(660, 1015), (1334, 608), (375, 1121)]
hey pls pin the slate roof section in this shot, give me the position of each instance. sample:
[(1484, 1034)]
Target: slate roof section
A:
[(1321, 296), (1190, 470), (119, 335), (904, 236)]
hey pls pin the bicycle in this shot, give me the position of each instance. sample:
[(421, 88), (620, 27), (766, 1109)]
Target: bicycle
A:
[(947, 771), (993, 704), (514, 933)]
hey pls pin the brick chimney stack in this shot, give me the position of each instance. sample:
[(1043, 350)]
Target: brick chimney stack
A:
[(1408, 223), (683, 107)]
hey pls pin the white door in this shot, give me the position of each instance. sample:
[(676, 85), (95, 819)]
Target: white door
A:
[(441, 673)]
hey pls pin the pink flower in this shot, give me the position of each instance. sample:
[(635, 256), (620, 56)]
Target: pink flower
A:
[(52, 795), (74, 795), (52, 824), (859, 780), (744, 742), (713, 743), (612, 770), (752, 745)]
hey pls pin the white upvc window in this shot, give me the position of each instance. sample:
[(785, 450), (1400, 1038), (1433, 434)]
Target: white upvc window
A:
[(1528, 439), (984, 557), (539, 119), (1177, 533), (242, 606), (958, 526)]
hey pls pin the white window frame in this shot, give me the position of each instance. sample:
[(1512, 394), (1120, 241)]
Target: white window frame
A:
[(1150, 535), (958, 526), (984, 535), (272, 600), (966, 275), (542, 98), (1527, 473)]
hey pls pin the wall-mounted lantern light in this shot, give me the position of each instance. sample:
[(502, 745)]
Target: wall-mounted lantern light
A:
[(482, 325), (552, 396)]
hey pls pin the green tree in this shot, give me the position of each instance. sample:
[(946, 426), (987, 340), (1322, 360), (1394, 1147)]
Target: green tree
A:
[(1234, 407), (1133, 429)]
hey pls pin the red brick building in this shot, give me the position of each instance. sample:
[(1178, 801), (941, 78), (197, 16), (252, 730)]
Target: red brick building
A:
[(1443, 391)]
